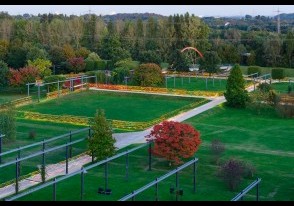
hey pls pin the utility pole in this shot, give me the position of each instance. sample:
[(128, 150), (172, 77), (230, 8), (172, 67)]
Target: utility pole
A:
[(278, 22)]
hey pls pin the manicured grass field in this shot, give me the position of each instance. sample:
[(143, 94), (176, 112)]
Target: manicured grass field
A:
[(196, 83), (282, 87), (289, 72), (118, 106), (265, 141)]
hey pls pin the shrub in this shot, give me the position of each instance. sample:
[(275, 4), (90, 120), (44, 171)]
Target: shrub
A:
[(278, 73), (174, 141), (264, 87), (119, 74), (217, 148), (285, 110), (76, 64), (148, 75), (231, 172), (248, 170), (254, 69), (101, 77), (101, 65), (22, 76), (260, 102), (43, 66), (54, 78), (32, 134), (127, 63)]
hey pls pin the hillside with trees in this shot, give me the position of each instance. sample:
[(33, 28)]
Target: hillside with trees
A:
[(64, 43)]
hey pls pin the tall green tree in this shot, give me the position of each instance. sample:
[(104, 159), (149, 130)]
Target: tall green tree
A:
[(42, 65), (4, 70), (101, 143), (210, 62), (289, 43), (236, 94)]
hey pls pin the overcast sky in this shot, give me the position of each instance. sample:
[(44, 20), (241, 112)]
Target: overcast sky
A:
[(198, 10)]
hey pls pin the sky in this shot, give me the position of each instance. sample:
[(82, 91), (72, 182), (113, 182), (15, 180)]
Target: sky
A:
[(166, 10)]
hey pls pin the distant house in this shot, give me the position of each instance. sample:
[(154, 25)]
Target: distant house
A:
[(227, 23), (225, 68)]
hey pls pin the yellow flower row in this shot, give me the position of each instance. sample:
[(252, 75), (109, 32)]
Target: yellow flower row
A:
[(157, 90)]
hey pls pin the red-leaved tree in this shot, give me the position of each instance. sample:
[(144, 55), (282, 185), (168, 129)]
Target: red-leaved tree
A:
[(76, 64), (22, 76), (174, 141)]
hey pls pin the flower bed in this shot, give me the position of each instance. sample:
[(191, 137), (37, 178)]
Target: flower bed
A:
[(51, 95), (17, 102), (157, 90)]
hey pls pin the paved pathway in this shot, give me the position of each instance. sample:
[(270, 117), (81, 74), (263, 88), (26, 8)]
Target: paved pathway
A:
[(122, 140)]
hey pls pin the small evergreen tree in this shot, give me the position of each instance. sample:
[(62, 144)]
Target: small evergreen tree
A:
[(235, 94), (8, 123), (101, 142)]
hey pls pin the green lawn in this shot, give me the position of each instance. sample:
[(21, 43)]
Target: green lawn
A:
[(196, 83), (43, 131), (289, 72), (265, 141), (282, 87), (118, 106)]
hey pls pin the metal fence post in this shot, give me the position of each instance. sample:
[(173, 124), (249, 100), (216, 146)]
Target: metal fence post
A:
[(70, 147), (43, 155), (175, 81), (38, 93), (66, 158), (1, 147), (82, 81), (127, 165), (156, 190), (106, 175), (177, 185), (54, 189), (89, 131), (257, 191), (166, 81), (213, 81), (149, 156), (133, 197), (82, 183), (58, 87), (28, 89), (18, 156), (194, 176), (16, 176)]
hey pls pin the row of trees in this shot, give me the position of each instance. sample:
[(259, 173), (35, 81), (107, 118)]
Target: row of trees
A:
[(156, 40)]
